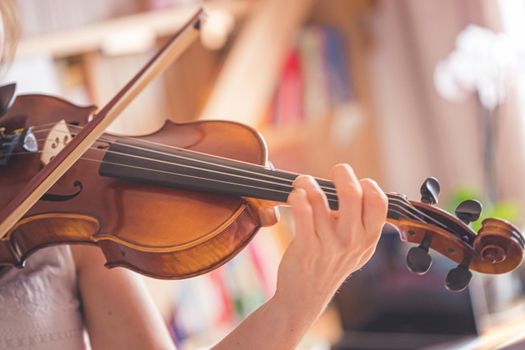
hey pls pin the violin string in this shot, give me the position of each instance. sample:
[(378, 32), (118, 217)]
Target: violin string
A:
[(233, 161), (394, 209), (398, 209), (185, 166), (393, 198), (326, 189), (46, 126), (408, 204), (188, 151), (289, 181), (285, 180)]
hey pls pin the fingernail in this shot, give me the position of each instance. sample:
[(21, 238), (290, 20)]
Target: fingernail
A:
[(300, 191)]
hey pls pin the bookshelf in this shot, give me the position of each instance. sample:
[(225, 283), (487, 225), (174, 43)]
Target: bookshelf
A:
[(206, 83), (346, 133)]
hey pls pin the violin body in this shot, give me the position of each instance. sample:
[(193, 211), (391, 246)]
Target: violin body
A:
[(158, 231)]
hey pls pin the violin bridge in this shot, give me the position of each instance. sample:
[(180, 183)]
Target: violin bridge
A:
[(58, 137)]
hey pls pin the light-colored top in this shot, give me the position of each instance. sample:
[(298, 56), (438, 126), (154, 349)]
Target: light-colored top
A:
[(39, 304)]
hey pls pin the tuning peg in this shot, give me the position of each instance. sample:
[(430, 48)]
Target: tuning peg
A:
[(458, 279), (418, 258), (469, 211), (430, 191)]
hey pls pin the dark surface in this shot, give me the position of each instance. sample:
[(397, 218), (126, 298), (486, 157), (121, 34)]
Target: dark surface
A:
[(384, 306)]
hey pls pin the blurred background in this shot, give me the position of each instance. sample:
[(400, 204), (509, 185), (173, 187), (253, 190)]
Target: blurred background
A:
[(401, 90)]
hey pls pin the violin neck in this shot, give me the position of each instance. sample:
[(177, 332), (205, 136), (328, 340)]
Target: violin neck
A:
[(180, 168)]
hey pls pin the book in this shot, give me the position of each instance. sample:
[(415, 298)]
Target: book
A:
[(316, 92), (336, 67), (314, 79), (288, 100)]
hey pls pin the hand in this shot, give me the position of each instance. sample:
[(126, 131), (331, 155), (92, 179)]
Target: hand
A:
[(329, 245)]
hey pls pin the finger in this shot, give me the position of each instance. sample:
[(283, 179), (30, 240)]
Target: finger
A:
[(302, 214), (317, 198), (375, 205), (349, 195)]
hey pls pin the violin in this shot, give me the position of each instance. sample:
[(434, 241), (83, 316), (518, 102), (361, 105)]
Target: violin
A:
[(189, 197)]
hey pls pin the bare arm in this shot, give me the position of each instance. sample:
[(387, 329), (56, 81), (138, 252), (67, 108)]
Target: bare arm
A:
[(328, 246), (118, 311)]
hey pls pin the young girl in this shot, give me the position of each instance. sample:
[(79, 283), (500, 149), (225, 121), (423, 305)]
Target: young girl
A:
[(64, 290)]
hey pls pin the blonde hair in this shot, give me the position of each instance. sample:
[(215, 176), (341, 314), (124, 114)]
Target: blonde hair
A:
[(10, 33)]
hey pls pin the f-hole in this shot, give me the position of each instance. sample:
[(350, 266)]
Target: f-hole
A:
[(63, 197)]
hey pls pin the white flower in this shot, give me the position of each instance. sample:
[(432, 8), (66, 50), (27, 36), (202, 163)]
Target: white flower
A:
[(484, 62)]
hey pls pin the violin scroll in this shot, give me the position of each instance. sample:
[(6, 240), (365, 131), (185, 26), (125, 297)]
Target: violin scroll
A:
[(498, 247), (499, 242)]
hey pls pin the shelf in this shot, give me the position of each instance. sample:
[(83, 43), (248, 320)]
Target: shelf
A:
[(88, 38)]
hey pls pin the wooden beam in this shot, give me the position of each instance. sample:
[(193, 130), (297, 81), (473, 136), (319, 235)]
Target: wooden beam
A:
[(246, 84)]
